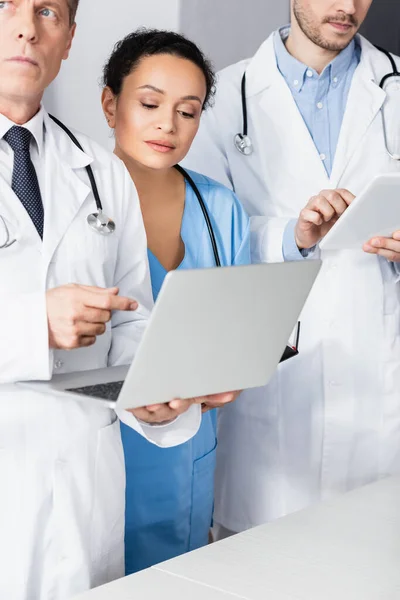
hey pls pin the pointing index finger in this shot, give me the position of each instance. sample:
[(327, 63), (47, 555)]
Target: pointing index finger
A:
[(109, 301), (99, 290)]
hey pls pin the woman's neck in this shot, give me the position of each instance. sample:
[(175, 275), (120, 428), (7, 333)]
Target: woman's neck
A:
[(150, 183)]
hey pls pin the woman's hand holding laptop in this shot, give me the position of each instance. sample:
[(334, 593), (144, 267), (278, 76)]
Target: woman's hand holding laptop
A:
[(165, 413)]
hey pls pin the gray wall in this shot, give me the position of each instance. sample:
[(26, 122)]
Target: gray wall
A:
[(75, 95), (229, 30), (382, 25)]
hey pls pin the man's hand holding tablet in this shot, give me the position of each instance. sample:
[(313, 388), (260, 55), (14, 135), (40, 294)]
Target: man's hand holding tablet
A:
[(337, 220)]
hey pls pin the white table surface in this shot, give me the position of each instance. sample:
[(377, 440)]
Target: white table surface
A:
[(347, 549), (152, 584)]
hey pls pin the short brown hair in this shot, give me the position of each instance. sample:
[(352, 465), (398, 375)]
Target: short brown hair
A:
[(73, 7)]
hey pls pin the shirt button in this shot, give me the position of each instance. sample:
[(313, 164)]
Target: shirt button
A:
[(335, 80), (58, 364), (320, 105), (296, 82), (309, 73), (322, 156)]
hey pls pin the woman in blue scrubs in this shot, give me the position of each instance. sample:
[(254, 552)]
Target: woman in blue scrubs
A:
[(156, 85)]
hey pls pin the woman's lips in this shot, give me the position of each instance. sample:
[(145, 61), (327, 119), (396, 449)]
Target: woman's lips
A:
[(160, 146)]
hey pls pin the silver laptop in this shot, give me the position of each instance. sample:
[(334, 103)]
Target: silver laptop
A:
[(211, 331)]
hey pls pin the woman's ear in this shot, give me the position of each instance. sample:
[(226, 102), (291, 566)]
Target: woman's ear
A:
[(109, 104)]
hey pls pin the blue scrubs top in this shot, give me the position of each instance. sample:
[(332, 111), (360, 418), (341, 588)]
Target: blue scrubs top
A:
[(170, 491)]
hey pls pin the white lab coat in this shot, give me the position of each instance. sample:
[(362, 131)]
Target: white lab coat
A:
[(330, 419), (61, 463)]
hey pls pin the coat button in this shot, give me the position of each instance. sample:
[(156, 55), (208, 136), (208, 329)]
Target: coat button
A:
[(58, 364)]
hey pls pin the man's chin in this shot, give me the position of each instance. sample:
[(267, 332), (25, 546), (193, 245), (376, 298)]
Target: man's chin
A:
[(20, 89), (334, 44), (336, 40)]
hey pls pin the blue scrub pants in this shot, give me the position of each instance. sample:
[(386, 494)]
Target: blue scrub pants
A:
[(169, 495)]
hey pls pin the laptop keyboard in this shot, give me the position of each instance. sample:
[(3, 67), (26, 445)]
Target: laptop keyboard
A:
[(106, 391)]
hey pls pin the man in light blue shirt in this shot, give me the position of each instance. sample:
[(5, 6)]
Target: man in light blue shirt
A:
[(321, 100), (328, 420)]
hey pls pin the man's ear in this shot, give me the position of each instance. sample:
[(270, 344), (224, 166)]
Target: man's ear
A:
[(70, 38)]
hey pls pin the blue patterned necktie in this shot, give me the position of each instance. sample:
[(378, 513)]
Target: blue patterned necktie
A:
[(24, 179)]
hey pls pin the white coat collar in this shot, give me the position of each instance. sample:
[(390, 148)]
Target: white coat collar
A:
[(67, 150), (67, 188), (364, 102), (262, 70)]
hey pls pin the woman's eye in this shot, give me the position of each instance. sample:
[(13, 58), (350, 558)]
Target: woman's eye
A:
[(149, 106), (186, 115), (4, 5)]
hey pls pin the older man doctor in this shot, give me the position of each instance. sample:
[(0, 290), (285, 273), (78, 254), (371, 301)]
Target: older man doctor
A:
[(330, 419), (70, 299)]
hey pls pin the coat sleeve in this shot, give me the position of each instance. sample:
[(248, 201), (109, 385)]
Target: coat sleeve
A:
[(240, 234), (133, 279)]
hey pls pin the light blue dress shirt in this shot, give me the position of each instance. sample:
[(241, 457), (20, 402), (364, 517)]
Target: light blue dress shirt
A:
[(321, 100)]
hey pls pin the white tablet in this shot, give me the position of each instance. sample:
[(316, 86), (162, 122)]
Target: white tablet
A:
[(374, 212)]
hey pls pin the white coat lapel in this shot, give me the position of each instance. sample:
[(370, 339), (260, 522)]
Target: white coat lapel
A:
[(65, 191), (282, 130), (17, 219), (365, 101), (279, 104)]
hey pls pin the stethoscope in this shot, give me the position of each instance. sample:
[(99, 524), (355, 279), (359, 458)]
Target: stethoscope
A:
[(384, 80), (204, 211), (243, 141), (102, 224), (98, 221)]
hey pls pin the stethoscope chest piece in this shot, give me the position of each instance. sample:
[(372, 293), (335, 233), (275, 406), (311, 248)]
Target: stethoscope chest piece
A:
[(100, 223), (243, 144)]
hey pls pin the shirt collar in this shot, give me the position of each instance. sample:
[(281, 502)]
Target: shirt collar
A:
[(295, 71), (35, 126)]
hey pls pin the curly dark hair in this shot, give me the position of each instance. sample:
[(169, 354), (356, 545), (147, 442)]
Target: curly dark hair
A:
[(142, 43)]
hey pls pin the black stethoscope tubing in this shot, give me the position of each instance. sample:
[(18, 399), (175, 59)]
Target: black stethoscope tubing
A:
[(177, 167), (244, 105), (394, 73), (205, 213), (88, 167)]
